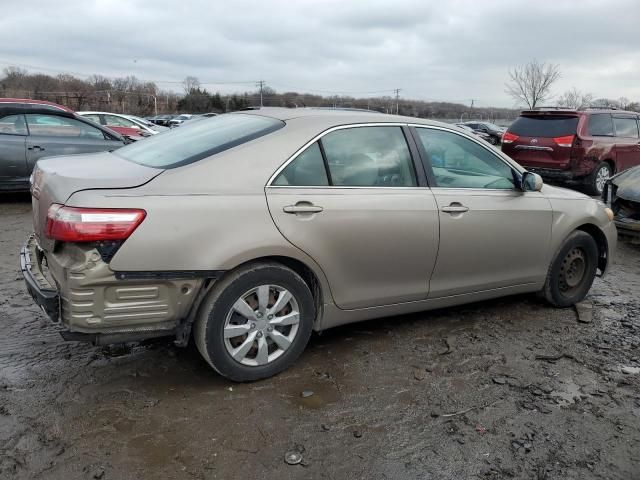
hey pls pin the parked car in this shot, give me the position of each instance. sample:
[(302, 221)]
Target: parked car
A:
[(118, 123), (147, 126), (494, 131), (485, 136), (179, 120), (582, 147), (255, 228), (162, 120), (622, 193), (32, 129)]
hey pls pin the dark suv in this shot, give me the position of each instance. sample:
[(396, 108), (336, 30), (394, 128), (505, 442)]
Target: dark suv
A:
[(493, 131), (575, 146)]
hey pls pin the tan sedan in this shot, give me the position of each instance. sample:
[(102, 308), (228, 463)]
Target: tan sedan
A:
[(252, 229)]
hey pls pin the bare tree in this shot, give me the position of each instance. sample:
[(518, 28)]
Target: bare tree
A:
[(531, 83), (574, 98), (190, 83)]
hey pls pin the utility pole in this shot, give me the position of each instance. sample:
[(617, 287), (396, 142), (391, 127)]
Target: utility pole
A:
[(261, 85), (397, 90), (471, 114)]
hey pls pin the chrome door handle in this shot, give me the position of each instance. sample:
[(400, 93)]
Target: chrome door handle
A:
[(36, 147), (455, 208), (302, 208)]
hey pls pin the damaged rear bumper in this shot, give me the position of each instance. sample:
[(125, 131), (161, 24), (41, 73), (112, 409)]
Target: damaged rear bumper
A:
[(622, 194), (78, 291)]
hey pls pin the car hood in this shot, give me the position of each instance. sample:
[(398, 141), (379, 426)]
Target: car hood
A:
[(560, 193), (628, 184)]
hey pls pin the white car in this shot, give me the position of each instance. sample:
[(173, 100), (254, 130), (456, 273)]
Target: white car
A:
[(121, 121), (179, 120)]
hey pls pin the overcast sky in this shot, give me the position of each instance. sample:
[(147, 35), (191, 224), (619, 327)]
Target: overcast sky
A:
[(452, 50)]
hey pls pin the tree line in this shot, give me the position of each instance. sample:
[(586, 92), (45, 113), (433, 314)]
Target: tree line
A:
[(133, 96)]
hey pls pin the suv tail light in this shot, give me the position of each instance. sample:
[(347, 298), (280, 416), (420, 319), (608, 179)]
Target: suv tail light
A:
[(565, 141), (509, 137), (73, 224)]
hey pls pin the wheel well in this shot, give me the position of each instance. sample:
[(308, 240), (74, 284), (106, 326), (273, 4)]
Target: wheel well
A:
[(601, 241), (612, 164), (301, 269)]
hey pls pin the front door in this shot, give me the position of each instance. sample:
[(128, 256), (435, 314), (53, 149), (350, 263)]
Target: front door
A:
[(627, 142), (492, 235), (351, 202), (13, 159)]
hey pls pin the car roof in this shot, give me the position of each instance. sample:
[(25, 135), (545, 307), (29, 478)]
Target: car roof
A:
[(27, 104), (574, 112), (339, 116)]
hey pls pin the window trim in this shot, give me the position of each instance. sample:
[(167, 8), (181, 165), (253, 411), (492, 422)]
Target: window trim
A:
[(318, 138), (429, 168)]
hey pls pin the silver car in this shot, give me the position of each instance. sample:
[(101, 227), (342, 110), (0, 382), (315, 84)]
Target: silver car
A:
[(250, 230)]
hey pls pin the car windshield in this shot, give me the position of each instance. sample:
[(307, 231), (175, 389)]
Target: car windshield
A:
[(544, 126), (492, 126), (198, 140)]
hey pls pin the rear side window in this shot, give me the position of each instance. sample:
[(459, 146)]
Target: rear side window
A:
[(600, 125), (197, 140), (626, 127), (58, 126), (369, 157), (307, 170), (13, 125), (544, 126)]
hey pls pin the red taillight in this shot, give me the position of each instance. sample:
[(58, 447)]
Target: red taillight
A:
[(565, 141), (73, 224), (508, 137)]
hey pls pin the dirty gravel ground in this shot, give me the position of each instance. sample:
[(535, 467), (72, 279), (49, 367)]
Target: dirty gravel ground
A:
[(383, 395)]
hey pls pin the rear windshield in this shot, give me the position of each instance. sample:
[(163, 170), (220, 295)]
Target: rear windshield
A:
[(195, 141), (547, 126)]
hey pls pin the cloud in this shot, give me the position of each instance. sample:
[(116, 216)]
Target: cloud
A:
[(456, 50)]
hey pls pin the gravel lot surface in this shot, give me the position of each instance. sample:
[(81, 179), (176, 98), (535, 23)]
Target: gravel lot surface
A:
[(504, 389)]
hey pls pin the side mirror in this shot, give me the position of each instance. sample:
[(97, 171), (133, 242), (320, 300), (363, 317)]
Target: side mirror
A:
[(531, 182)]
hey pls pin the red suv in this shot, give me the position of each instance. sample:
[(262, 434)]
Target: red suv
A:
[(574, 146)]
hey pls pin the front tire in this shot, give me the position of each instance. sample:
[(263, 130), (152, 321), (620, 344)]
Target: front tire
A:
[(256, 322), (572, 270)]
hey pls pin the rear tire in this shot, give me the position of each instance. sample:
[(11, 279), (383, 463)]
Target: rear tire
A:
[(572, 270), (598, 178), (255, 322), (493, 140)]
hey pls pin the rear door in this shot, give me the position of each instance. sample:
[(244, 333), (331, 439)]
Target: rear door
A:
[(542, 140), (53, 135), (627, 141), (13, 156), (492, 235), (352, 202)]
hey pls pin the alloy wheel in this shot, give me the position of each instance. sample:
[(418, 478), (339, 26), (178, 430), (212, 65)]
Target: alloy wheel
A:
[(261, 325), (601, 177)]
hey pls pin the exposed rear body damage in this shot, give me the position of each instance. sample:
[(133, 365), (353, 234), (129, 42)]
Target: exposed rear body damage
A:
[(623, 194)]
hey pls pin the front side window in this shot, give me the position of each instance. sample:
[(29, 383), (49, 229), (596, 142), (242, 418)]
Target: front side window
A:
[(306, 170), (197, 140), (369, 157), (626, 127), (13, 125), (57, 126), (458, 162), (600, 125)]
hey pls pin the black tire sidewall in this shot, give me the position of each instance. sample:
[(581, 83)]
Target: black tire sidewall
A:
[(214, 338), (588, 244)]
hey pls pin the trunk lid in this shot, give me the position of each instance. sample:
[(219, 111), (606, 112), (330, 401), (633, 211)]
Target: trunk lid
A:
[(542, 139), (56, 179)]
